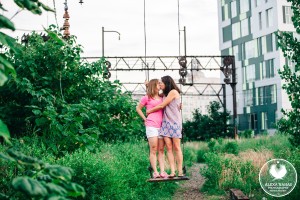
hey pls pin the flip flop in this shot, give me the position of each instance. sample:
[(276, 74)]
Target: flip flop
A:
[(172, 175)]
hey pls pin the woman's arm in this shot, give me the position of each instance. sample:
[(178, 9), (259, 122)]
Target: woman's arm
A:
[(140, 112), (172, 94)]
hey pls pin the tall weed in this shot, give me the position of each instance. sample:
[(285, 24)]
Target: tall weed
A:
[(117, 171)]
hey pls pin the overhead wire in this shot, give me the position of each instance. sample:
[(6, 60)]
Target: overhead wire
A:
[(145, 43), (55, 15), (178, 21)]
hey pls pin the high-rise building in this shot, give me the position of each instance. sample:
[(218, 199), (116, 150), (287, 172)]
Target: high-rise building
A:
[(247, 30)]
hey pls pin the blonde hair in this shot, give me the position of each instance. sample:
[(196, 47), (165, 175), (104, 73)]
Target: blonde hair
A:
[(152, 88)]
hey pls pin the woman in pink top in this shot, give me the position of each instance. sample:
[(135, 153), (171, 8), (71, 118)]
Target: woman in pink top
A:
[(172, 123), (153, 124)]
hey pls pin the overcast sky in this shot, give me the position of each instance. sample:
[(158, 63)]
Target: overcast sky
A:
[(127, 17)]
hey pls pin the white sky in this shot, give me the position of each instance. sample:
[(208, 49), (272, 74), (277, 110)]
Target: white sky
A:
[(127, 17)]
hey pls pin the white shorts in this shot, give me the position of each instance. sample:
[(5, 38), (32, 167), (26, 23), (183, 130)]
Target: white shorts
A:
[(152, 132)]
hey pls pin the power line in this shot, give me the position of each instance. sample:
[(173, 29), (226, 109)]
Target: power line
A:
[(55, 13), (145, 40), (178, 25)]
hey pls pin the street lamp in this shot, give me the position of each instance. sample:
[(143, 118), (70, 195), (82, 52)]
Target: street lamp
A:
[(103, 31)]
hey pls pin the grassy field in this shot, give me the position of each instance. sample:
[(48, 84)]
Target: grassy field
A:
[(119, 171)]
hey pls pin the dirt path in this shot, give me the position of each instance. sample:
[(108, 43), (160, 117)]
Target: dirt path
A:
[(189, 190)]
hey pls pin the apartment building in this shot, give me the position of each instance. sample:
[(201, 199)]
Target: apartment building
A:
[(247, 30)]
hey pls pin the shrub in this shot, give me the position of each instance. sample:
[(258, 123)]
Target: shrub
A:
[(29, 177), (201, 155), (117, 171), (231, 147), (247, 134), (64, 99), (212, 125), (189, 156), (224, 173), (211, 144), (289, 43)]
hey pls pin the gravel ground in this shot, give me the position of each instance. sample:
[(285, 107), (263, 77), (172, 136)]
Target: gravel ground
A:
[(189, 190)]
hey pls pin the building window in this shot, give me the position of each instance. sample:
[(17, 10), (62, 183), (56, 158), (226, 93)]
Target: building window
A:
[(264, 121), (260, 20), (253, 121), (226, 33), (249, 73), (261, 96), (236, 30), (236, 52), (225, 13), (251, 49), (244, 6), (269, 17), (258, 2), (274, 40), (269, 71), (248, 98), (287, 14), (273, 93), (270, 42), (245, 27), (233, 9), (264, 44), (262, 71)]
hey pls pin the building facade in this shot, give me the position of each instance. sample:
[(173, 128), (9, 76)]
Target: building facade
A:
[(192, 100), (247, 30)]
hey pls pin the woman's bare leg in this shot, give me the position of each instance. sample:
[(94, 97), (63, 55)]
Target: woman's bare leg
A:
[(179, 156), (153, 142), (169, 146), (161, 154)]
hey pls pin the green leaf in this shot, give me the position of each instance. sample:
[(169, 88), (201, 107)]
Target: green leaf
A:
[(6, 157), (6, 23), (46, 7), (57, 198), (3, 78), (59, 172), (4, 132), (36, 112), (41, 121), (55, 37), (75, 190), (55, 189), (8, 68), (29, 186), (4, 197)]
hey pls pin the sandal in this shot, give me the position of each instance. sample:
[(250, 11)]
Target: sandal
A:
[(181, 175), (172, 175), (156, 175), (164, 175)]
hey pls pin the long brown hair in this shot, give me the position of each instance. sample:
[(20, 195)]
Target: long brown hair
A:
[(169, 85), (152, 88)]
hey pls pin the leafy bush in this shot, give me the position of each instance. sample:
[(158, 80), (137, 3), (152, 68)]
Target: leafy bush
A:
[(224, 173), (32, 178), (117, 171), (247, 134), (220, 141), (213, 125), (201, 155), (231, 147), (64, 99), (290, 46), (189, 156)]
